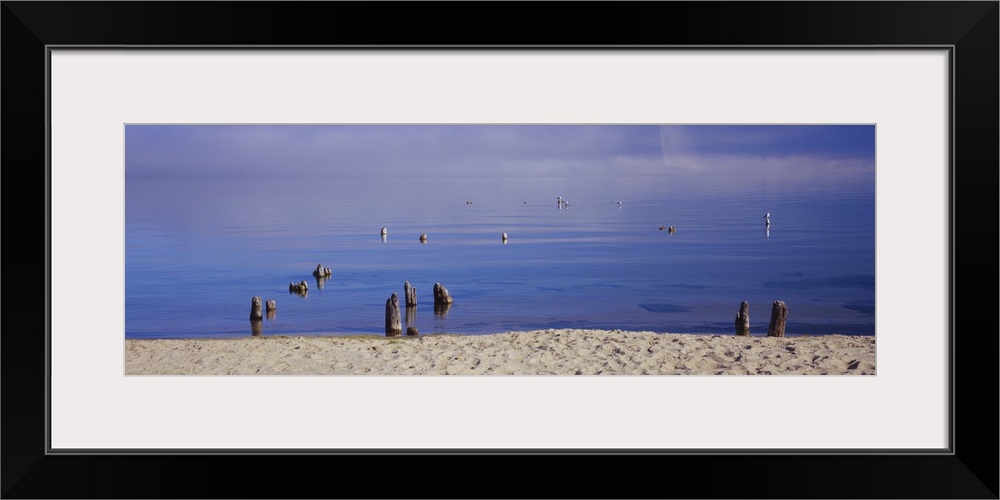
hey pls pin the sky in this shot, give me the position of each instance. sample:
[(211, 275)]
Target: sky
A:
[(723, 153)]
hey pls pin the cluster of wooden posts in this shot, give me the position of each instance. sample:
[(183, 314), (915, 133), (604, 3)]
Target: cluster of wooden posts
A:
[(776, 328), (393, 321), (442, 300), (256, 311), (257, 314), (301, 288)]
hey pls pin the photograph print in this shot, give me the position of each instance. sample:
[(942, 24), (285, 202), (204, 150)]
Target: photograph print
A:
[(477, 249)]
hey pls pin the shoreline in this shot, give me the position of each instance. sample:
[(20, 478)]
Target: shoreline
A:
[(539, 352)]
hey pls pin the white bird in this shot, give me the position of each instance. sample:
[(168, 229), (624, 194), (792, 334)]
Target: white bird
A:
[(768, 216), (384, 232)]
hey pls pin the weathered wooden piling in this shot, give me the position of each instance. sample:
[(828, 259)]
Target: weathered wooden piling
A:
[(322, 271), (255, 309), (393, 324), (412, 331), (441, 295), (779, 313), (271, 306), (409, 294), (300, 288), (743, 320)]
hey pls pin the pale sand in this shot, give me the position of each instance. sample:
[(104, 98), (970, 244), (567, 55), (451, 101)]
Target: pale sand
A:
[(544, 352)]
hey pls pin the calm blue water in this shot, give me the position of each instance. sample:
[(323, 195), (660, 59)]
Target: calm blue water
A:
[(198, 250)]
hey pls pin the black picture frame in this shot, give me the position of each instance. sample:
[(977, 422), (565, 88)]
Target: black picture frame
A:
[(969, 28)]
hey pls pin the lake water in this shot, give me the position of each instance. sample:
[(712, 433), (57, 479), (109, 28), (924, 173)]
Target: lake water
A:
[(197, 251)]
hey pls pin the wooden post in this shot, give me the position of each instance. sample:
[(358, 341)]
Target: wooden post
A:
[(300, 288), (441, 295), (393, 325), (743, 320), (412, 332), (779, 312), (409, 294), (255, 309)]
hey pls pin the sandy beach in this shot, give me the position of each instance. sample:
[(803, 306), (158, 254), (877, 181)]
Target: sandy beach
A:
[(543, 352)]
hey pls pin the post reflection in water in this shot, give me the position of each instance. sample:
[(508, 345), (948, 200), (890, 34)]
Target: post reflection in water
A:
[(257, 327), (441, 309), (321, 280), (411, 316)]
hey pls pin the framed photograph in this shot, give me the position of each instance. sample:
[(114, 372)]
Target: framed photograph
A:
[(895, 104)]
